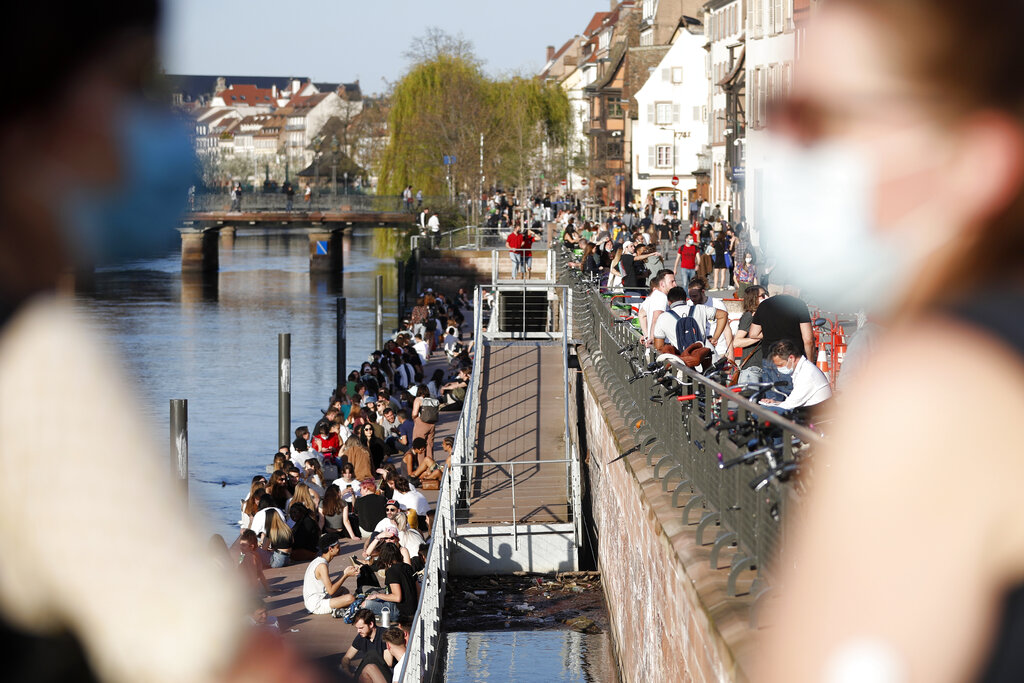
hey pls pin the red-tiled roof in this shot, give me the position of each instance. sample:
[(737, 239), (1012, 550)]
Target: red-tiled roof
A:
[(595, 23), (239, 95)]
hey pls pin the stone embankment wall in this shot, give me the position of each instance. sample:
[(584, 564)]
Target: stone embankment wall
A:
[(671, 619)]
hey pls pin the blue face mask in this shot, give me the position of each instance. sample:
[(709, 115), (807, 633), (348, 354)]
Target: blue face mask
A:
[(138, 217)]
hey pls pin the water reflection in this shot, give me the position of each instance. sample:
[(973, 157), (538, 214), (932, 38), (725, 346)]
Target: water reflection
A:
[(213, 340), (528, 656)]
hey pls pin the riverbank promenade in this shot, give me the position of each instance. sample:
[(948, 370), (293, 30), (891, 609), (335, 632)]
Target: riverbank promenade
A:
[(323, 639)]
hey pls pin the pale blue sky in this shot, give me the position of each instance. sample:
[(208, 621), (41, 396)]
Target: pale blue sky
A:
[(342, 40)]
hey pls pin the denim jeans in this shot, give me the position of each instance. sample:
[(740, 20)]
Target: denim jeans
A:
[(279, 559), (688, 274), (769, 373), (750, 375)]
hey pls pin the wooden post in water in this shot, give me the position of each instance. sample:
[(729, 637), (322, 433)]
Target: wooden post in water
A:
[(179, 440), (284, 388), (379, 339), (341, 342)]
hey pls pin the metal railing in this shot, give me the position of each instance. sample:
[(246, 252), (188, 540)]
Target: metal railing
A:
[(420, 661), (506, 471), (528, 310), (504, 267), (324, 200), (689, 446)]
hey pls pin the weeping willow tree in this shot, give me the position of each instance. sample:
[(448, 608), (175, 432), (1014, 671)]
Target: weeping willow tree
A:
[(438, 109), (445, 103)]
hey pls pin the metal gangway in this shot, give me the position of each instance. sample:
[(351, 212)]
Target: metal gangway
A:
[(510, 498)]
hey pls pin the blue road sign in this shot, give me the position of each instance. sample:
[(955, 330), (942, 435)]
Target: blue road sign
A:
[(321, 247)]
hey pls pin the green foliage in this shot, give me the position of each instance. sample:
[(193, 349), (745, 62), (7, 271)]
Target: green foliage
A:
[(443, 105)]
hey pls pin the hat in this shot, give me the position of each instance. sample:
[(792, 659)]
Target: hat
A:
[(392, 502)]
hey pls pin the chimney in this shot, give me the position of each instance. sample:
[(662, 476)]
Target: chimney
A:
[(296, 85), (551, 52), (273, 90), (221, 85)]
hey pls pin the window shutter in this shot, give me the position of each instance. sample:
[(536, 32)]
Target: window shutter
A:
[(666, 75), (696, 113), (671, 155), (651, 161), (650, 113), (675, 113)]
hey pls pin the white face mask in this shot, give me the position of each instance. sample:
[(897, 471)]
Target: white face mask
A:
[(819, 203), (748, 260), (784, 370)]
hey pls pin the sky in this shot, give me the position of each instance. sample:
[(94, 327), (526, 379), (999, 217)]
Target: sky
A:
[(346, 40)]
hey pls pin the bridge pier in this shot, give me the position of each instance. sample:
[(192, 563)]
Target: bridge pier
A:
[(326, 252), (199, 251)]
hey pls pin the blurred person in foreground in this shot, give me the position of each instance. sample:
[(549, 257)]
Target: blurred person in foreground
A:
[(113, 601), (906, 129)]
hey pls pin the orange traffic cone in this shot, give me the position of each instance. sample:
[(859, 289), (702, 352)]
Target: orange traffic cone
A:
[(840, 349), (822, 360)]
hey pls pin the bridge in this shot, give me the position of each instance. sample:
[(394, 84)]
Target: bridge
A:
[(322, 218)]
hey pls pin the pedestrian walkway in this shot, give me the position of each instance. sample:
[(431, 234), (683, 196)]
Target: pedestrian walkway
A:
[(522, 420), (323, 639)]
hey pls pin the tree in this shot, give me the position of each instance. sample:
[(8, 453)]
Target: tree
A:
[(436, 43), (445, 103)]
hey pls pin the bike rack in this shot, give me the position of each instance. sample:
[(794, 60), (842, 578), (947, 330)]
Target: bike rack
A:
[(724, 540), (708, 519), (696, 500), (742, 565)]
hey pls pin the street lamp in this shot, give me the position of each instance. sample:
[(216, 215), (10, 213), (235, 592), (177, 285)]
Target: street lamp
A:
[(334, 166), (318, 141)]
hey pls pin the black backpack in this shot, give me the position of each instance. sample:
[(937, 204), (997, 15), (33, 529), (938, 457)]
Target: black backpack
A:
[(688, 332)]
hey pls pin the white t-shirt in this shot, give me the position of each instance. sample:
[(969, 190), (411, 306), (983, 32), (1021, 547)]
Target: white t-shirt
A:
[(259, 520), (434, 224), (657, 301), (397, 675), (713, 305), (413, 500), (423, 350), (342, 484), (385, 524)]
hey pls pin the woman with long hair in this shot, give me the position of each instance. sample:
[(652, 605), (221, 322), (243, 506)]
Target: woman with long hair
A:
[(326, 442), (313, 474), (912, 148), (375, 445), (278, 541), (250, 506), (335, 513), (303, 494)]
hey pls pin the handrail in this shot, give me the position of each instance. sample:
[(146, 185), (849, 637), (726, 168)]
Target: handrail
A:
[(683, 442), (424, 634)]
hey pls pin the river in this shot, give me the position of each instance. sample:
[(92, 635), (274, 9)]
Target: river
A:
[(217, 347)]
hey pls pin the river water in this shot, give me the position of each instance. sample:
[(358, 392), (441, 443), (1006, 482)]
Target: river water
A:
[(216, 345)]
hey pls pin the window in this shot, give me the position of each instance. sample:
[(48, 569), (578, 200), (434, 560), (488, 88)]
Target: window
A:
[(613, 150), (663, 113), (663, 158), (613, 107), (677, 74)]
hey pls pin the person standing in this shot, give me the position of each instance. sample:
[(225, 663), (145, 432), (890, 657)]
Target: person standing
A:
[(686, 260), (435, 230), (289, 195), (515, 244)]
